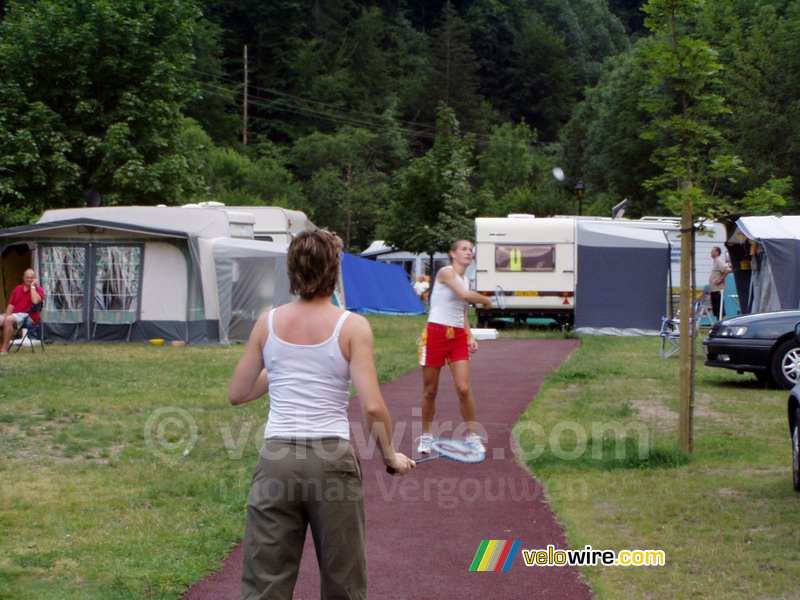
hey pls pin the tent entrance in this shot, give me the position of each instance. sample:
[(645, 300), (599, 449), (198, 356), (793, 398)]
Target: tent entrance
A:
[(92, 290), (14, 260)]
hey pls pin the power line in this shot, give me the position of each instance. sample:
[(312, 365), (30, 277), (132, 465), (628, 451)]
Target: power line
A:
[(283, 106), (296, 105), (310, 101)]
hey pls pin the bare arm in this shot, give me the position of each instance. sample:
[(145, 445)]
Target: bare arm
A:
[(250, 378), (35, 296), (365, 380), (473, 344), (448, 277)]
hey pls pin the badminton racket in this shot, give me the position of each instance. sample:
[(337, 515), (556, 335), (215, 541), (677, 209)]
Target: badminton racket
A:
[(499, 297), (453, 449)]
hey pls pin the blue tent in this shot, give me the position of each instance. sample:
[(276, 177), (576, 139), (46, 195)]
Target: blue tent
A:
[(377, 288)]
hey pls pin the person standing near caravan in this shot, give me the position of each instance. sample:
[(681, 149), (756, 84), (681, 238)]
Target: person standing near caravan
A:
[(716, 281), (447, 339)]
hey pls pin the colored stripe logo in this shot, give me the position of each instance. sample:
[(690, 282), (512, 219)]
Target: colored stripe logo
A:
[(495, 555)]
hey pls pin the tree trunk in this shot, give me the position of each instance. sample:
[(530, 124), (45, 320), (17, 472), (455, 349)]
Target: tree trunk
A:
[(687, 328)]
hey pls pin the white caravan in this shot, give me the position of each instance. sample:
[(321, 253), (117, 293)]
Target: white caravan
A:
[(267, 223), (527, 265)]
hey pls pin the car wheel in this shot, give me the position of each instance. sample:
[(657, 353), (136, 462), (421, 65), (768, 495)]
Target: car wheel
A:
[(786, 364), (796, 451)]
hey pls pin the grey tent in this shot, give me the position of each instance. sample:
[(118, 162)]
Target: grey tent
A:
[(765, 257), (117, 273), (621, 280)]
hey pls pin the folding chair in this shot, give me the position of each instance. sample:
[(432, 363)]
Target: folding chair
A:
[(670, 330), (31, 332)]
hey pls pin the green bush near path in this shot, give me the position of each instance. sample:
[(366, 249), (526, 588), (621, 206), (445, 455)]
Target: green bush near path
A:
[(98, 500)]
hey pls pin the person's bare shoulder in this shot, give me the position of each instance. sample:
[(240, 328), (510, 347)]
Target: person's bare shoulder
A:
[(358, 325)]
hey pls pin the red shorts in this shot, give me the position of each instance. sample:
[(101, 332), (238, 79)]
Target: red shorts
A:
[(441, 344)]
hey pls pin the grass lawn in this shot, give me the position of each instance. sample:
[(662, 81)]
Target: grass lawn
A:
[(100, 500), (726, 517)]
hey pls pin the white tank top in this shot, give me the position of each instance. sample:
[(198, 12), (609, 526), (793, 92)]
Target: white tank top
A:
[(446, 307), (309, 387)]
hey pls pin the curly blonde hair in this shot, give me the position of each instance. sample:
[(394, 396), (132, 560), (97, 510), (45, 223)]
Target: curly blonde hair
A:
[(313, 263)]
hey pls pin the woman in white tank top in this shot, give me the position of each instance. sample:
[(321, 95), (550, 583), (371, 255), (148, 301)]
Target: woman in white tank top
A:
[(447, 339), (306, 354)]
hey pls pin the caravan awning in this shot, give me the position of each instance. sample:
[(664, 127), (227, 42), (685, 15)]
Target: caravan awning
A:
[(622, 278)]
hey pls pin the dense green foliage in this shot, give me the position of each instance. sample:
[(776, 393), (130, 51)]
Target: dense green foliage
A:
[(142, 100)]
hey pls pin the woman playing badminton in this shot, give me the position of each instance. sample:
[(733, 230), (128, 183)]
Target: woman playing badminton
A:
[(447, 339), (306, 353)]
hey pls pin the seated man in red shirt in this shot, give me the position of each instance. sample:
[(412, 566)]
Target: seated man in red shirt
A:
[(25, 295)]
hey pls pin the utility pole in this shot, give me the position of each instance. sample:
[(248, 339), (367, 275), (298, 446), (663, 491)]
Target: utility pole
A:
[(244, 108)]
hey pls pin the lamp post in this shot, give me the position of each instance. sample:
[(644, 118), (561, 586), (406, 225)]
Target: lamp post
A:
[(579, 190)]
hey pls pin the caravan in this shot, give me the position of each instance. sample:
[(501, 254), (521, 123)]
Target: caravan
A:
[(530, 266), (141, 272), (263, 223)]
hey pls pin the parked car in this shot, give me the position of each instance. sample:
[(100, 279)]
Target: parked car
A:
[(794, 425), (761, 343)]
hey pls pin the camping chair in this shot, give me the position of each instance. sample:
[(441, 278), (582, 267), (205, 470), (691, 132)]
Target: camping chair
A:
[(670, 330), (31, 332)]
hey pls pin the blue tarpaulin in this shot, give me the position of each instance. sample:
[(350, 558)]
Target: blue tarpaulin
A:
[(377, 288)]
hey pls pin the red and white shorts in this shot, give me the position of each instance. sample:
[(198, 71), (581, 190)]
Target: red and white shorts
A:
[(441, 344)]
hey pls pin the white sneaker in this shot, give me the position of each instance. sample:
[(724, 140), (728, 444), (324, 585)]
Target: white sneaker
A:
[(425, 441), (474, 440)]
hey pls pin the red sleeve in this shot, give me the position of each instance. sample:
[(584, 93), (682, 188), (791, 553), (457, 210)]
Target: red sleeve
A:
[(15, 296)]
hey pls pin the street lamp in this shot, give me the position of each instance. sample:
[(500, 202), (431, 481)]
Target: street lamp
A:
[(579, 190)]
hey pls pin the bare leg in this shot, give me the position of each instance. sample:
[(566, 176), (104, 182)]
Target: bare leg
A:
[(460, 370), (430, 382), (9, 329)]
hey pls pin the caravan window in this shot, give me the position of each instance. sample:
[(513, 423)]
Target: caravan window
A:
[(63, 274), (524, 257), (117, 276)]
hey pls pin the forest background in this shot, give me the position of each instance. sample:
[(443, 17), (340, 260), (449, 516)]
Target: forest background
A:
[(383, 119)]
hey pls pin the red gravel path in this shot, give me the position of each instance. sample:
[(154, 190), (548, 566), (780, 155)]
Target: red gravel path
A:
[(423, 530)]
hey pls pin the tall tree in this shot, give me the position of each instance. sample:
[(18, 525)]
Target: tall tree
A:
[(602, 141), (514, 175), (215, 106), (764, 69), (591, 32), (344, 184), (109, 79), (429, 207), (684, 102), (453, 79)]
